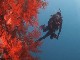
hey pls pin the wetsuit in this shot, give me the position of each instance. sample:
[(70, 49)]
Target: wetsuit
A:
[(52, 28)]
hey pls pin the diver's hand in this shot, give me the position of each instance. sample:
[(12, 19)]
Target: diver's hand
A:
[(57, 37), (42, 27)]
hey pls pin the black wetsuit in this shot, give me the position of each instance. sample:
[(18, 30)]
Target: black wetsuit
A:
[(52, 28)]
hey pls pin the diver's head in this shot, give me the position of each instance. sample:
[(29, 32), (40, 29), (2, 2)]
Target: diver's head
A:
[(59, 13)]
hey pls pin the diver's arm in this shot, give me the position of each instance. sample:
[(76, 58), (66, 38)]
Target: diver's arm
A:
[(60, 27)]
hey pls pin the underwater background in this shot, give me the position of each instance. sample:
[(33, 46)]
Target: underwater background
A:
[(67, 47)]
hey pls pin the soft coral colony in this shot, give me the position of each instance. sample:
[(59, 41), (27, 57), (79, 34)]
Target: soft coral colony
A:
[(15, 18)]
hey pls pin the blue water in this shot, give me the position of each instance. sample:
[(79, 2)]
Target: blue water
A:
[(68, 45)]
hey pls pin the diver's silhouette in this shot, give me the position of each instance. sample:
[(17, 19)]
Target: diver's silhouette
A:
[(54, 24)]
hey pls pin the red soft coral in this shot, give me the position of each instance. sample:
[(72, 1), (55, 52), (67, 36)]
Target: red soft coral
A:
[(15, 18)]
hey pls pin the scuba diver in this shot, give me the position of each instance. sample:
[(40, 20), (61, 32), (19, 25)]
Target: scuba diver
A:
[(54, 24)]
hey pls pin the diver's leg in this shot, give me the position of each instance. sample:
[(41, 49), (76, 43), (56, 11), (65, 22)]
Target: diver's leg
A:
[(47, 34), (53, 35)]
